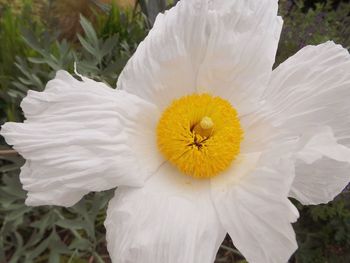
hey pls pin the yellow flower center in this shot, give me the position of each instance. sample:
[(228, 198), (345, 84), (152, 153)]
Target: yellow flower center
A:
[(200, 134)]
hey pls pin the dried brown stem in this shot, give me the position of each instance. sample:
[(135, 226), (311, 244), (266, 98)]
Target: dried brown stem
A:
[(7, 152)]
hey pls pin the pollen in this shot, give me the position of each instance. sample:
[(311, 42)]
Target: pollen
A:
[(200, 134)]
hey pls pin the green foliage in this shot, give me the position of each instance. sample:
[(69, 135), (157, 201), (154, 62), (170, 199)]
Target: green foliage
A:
[(312, 27), (30, 54), (11, 45), (105, 52), (49, 234), (152, 7), (323, 232)]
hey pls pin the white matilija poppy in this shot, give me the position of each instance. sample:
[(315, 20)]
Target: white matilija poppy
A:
[(201, 137)]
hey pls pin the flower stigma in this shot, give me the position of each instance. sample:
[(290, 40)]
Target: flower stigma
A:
[(200, 134)]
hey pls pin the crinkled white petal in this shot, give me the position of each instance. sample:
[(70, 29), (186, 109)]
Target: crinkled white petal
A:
[(170, 220), (251, 200), (322, 167), (307, 94), (199, 46), (165, 64), (311, 89), (241, 50), (259, 132), (80, 137)]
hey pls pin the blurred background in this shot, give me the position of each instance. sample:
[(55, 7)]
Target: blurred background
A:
[(39, 37)]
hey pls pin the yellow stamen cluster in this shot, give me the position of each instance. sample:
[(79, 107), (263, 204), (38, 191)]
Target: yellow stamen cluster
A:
[(200, 134)]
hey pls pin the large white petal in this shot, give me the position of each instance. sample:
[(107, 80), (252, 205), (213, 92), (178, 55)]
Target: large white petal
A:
[(308, 94), (200, 46), (80, 137), (241, 50), (170, 220), (165, 64), (251, 200), (322, 169)]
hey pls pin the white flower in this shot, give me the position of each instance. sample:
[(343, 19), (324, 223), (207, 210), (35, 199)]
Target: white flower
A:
[(198, 97)]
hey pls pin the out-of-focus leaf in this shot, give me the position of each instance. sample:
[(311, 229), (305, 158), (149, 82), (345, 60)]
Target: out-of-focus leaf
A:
[(89, 31), (81, 244)]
